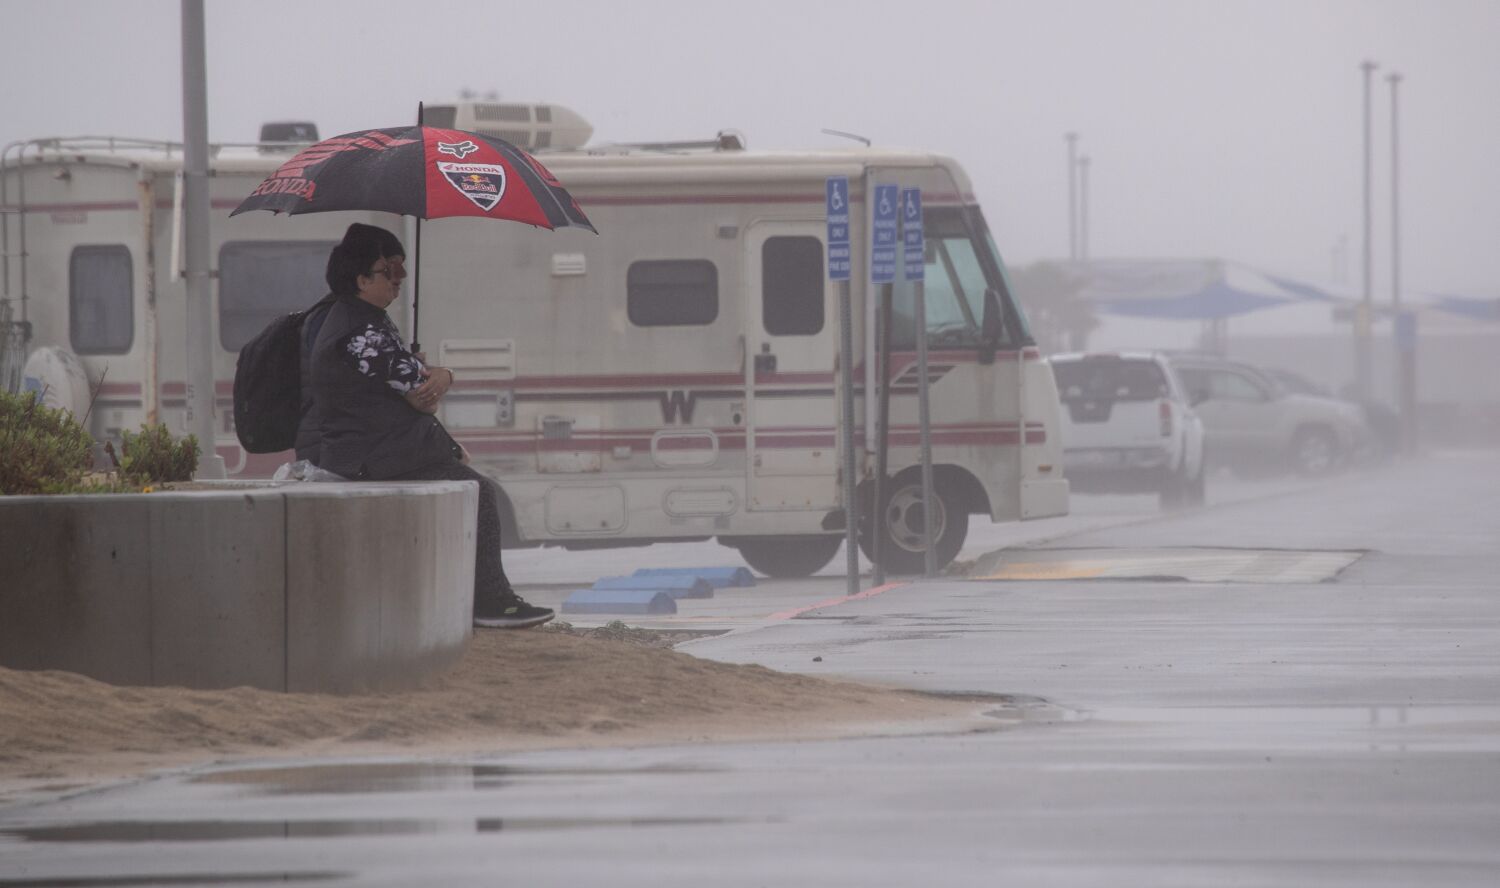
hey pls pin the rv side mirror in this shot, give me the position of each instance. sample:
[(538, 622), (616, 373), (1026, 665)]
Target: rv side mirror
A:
[(989, 327)]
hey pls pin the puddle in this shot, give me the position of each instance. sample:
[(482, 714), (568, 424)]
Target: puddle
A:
[(1017, 708), (397, 777), (1385, 716), (133, 831), (176, 879)]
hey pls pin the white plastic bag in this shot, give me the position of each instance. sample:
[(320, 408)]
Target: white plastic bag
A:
[(302, 470)]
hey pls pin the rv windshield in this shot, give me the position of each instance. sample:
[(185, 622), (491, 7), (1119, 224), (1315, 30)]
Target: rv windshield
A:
[(960, 265)]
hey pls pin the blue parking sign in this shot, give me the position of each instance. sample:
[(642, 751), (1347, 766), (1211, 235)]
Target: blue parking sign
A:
[(913, 253), (883, 235), (836, 207)]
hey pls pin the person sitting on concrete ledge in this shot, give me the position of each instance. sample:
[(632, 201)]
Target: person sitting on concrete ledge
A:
[(374, 402)]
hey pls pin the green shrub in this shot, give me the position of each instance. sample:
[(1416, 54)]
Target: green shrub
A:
[(152, 457), (46, 451), (41, 450)]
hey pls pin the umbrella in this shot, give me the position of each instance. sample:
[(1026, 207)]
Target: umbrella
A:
[(422, 171)]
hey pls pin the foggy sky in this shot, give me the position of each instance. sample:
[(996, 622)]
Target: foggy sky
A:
[(1215, 127)]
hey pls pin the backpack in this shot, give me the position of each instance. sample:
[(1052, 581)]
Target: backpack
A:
[(268, 385)]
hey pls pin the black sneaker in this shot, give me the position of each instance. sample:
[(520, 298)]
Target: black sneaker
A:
[(509, 613)]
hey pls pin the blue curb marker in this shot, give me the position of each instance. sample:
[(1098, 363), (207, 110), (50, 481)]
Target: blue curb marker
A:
[(619, 601), (718, 577), (677, 587)]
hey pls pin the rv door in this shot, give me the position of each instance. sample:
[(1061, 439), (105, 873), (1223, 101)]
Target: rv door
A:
[(790, 408)]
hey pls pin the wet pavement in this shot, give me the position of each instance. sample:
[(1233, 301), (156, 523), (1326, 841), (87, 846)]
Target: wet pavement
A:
[(1163, 733)]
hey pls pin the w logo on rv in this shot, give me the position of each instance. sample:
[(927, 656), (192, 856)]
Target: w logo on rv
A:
[(459, 150), (677, 406)]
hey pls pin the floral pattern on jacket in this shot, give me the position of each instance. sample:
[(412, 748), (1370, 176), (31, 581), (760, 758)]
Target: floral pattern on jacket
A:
[(377, 352)]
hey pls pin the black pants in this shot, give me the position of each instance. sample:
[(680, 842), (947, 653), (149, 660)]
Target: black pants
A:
[(489, 574)]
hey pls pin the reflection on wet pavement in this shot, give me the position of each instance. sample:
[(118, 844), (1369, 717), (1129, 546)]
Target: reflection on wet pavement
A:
[(385, 777), (176, 879), (239, 830)]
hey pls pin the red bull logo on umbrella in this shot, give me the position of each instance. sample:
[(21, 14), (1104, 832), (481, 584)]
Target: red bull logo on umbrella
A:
[(482, 183)]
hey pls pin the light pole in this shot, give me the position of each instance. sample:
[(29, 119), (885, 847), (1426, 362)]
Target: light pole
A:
[(1405, 327), (1362, 316), (1072, 139), (1083, 208), (201, 397)]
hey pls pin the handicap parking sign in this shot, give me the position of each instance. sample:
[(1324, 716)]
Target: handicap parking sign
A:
[(836, 192), (883, 235), (913, 254)]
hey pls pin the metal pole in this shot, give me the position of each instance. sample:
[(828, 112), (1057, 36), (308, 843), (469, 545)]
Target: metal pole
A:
[(1072, 139), (1363, 317), (1406, 356), (846, 386), (200, 323), (924, 424), (1393, 79), (416, 264), (882, 440), (1083, 208)]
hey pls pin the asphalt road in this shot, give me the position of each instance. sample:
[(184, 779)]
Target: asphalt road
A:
[(1258, 730)]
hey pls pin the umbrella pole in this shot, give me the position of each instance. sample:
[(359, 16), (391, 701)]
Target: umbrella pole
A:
[(416, 286)]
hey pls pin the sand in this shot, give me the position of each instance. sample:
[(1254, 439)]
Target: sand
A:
[(511, 691)]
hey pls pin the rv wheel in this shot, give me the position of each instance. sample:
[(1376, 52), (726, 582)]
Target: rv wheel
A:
[(789, 557), (901, 550)]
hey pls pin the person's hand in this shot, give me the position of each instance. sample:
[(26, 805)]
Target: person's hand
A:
[(430, 392), (425, 397)]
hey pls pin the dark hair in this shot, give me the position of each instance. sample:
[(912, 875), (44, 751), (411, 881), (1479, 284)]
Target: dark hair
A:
[(362, 246)]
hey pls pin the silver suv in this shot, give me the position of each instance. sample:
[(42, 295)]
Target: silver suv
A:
[(1127, 427), (1254, 423)]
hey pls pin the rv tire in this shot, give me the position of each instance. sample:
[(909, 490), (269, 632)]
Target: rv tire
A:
[(789, 557), (901, 550)]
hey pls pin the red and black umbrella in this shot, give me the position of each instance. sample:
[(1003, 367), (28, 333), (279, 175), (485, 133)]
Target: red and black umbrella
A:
[(421, 171)]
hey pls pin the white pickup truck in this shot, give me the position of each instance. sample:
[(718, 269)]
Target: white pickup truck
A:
[(1127, 427)]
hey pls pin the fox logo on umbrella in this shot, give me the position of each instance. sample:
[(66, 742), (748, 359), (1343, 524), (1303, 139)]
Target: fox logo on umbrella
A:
[(459, 150)]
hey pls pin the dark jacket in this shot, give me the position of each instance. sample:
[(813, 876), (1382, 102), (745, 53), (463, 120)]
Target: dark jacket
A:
[(367, 429), (310, 426)]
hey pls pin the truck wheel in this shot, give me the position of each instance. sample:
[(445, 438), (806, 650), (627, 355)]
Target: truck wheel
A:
[(1197, 489), (1314, 452), (789, 557), (1171, 495), (900, 524), (1178, 492)]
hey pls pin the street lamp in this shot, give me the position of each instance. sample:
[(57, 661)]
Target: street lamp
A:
[(1072, 140), (1404, 326), (1083, 208), (1362, 317)]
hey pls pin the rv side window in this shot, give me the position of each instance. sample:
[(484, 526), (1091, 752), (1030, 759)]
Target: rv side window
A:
[(101, 319), (261, 280), (672, 292), (791, 274)]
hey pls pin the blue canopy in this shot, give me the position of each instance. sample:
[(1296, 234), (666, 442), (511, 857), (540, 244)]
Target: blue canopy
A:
[(1186, 289)]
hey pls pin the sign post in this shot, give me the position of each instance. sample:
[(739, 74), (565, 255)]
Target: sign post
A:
[(914, 258), (836, 200), (884, 229)]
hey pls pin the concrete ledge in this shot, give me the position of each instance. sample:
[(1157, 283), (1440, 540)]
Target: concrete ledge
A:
[(291, 587)]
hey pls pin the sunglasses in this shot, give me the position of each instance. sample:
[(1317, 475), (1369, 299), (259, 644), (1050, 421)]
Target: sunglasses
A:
[(388, 272)]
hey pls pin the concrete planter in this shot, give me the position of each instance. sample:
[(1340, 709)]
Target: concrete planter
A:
[(291, 587)]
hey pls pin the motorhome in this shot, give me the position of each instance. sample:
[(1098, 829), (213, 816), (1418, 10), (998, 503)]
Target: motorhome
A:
[(675, 377)]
